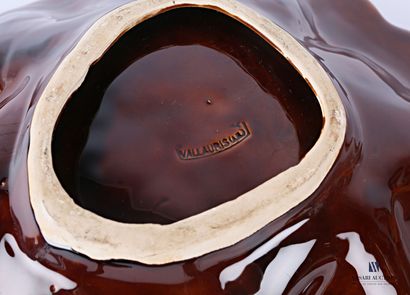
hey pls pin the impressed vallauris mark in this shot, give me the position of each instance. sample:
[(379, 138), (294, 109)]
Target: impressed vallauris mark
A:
[(212, 148)]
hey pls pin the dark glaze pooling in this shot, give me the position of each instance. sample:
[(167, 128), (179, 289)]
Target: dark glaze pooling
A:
[(367, 190), (147, 100)]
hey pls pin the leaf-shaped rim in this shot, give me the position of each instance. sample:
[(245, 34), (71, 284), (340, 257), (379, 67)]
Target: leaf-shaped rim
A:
[(66, 225)]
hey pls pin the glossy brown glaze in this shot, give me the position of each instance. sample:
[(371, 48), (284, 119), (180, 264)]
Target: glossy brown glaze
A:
[(367, 191), (172, 123)]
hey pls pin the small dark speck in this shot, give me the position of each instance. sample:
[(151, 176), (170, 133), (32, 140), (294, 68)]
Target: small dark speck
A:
[(9, 249), (209, 101)]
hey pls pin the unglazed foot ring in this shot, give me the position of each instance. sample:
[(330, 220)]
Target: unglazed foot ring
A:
[(66, 225)]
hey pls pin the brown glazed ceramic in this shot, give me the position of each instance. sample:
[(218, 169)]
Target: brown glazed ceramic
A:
[(66, 224), (168, 166)]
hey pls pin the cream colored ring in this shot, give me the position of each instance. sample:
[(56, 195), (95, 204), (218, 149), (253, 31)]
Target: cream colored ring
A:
[(65, 224)]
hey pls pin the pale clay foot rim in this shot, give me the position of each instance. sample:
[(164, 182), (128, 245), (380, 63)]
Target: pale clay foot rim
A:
[(66, 225)]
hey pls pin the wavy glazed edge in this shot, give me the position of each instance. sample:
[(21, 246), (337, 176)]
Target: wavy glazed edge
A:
[(66, 225)]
